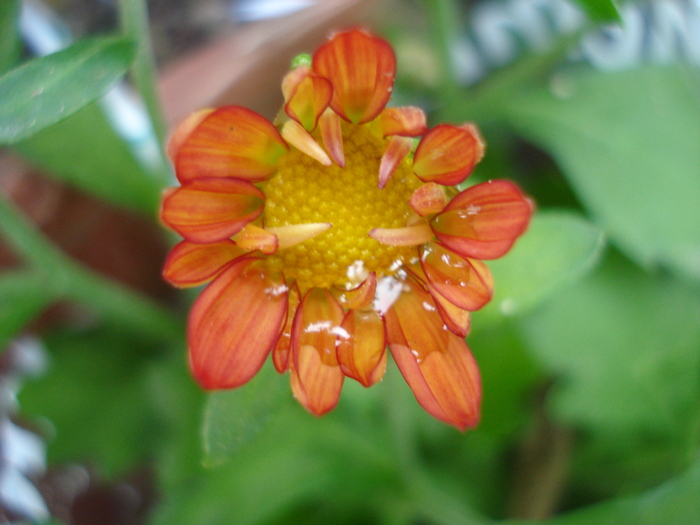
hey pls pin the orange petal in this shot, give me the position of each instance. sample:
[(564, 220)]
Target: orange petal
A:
[(361, 68), (360, 297), (447, 154), (396, 150), (332, 135), (316, 326), (362, 347), (294, 234), (235, 323), (184, 130), (408, 236), (446, 384), (280, 355), (295, 134), (190, 264), (428, 199), (316, 385), (307, 96), (483, 221), (211, 210), (253, 237), (457, 319), (405, 121), (466, 284), (230, 142)]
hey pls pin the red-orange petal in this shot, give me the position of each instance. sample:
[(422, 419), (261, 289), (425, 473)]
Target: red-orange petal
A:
[(404, 121), (235, 323), (361, 68), (280, 355), (447, 154), (316, 326), (436, 363), (428, 199), (230, 142), (190, 264), (361, 296), (362, 347), (211, 210), (457, 320), (396, 150), (253, 237), (447, 384), (465, 283), (184, 130), (307, 95), (483, 221)]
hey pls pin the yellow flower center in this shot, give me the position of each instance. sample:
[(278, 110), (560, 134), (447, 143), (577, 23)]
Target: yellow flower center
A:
[(304, 191)]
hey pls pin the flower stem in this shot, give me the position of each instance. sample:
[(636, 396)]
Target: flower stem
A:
[(71, 281)]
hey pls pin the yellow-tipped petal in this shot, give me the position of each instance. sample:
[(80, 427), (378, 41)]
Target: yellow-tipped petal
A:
[(396, 150), (332, 136), (294, 234), (408, 236), (295, 134), (428, 199)]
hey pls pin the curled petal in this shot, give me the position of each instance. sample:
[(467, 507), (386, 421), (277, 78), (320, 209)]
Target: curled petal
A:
[(436, 363), (297, 136), (316, 372), (230, 142), (211, 210), (332, 135), (360, 297), (235, 323), (408, 236), (457, 320), (465, 283), (483, 221), (253, 237), (428, 199), (405, 121), (447, 154), (446, 384), (294, 234), (361, 68), (280, 354), (307, 96), (184, 130), (362, 347), (190, 264), (396, 150)]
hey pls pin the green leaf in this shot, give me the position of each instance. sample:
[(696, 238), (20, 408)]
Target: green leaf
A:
[(626, 143), (558, 248), (49, 89), (675, 501), (95, 396), (624, 347), (9, 34), (23, 295), (600, 10), (233, 418)]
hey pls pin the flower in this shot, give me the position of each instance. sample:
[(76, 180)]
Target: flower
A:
[(328, 236)]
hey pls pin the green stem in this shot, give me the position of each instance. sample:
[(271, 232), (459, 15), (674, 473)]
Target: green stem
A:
[(133, 16), (443, 16), (71, 281)]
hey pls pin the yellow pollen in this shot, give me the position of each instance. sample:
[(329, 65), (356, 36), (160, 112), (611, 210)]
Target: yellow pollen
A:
[(304, 191)]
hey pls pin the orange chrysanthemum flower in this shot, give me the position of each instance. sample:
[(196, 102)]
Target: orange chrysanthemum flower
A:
[(329, 237)]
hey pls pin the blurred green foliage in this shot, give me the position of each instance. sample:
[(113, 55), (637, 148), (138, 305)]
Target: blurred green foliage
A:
[(589, 351)]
